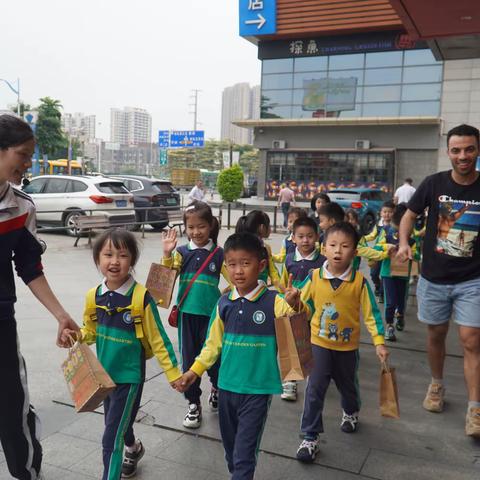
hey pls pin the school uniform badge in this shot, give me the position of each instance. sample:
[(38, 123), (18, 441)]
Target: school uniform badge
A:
[(259, 317), (212, 267), (127, 318)]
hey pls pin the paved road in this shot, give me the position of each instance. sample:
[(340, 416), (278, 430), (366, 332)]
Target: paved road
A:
[(418, 446)]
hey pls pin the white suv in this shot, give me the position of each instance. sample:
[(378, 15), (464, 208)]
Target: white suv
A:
[(60, 198)]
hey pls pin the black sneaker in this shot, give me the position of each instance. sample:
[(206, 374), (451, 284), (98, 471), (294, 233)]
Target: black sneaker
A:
[(193, 418), (307, 451), (130, 460), (349, 422), (390, 334), (400, 323), (213, 400)]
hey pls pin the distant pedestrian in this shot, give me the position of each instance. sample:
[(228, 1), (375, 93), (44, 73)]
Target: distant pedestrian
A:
[(197, 193), (19, 425), (450, 277), (123, 344), (286, 197), (404, 193), (317, 202)]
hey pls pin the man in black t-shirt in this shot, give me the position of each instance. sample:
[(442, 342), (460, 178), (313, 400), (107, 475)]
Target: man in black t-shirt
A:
[(450, 281)]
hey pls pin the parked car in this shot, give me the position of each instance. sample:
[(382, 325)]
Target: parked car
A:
[(366, 201), (152, 192), (60, 198)]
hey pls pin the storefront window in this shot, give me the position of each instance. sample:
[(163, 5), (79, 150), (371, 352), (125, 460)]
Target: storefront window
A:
[(372, 84), (311, 172)]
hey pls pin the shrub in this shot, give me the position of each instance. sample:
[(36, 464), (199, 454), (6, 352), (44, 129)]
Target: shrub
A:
[(230, 183)]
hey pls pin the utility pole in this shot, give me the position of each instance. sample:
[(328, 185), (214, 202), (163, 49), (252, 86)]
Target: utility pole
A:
[(195, 93), (194, 96)]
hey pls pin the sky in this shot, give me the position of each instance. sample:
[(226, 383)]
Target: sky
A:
[(93, 55)]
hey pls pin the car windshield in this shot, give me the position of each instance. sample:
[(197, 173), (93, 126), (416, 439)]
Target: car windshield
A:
[(338, 195), (162, 187), (112, 187)]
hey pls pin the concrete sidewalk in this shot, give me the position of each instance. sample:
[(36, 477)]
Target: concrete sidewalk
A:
[(420, 445)]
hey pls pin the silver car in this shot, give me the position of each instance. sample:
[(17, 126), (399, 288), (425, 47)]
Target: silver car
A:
[(60, 198)]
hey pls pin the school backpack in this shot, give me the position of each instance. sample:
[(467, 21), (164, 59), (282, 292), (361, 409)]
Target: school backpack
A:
[(136, 308)]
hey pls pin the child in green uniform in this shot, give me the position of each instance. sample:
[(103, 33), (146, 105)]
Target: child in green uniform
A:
[(288, 244), (258, 223), (242, 331), (121, 349)]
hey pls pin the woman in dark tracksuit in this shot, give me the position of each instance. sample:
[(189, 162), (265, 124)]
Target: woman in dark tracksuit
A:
[(18, 422)]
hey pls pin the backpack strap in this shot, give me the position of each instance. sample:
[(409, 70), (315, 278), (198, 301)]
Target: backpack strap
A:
[(138, 310), (91, 304)]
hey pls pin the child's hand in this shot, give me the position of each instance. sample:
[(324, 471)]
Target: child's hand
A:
[(169, 242), (69, 337), (292, 294), (382, 352), (183, 383)]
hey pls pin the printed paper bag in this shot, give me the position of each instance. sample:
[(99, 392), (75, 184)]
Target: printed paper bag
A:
[(398, 268), (294, 347), (160, 284), (388, 393), (88, 382)]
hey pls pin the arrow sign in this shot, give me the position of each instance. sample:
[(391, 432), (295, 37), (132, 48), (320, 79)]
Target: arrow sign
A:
[(260, 22), (257, 18)]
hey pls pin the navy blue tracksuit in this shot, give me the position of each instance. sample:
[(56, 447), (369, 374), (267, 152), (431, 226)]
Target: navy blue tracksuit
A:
[(242, 419), (193, 332), (339, 366)]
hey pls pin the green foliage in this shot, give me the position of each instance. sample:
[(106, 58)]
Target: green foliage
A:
[(230, 183), (49, 133), (24, 107)]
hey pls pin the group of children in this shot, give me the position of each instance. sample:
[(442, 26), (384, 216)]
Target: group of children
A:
[(232, 336)]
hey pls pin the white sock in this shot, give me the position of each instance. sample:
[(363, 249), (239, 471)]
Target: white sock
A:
[(438, 381), (473, 404), (134, 448)]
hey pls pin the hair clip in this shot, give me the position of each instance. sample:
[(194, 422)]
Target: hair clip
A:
[(190, 207)]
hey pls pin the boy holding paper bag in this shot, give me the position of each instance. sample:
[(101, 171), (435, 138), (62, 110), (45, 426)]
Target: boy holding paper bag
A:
[(242, 331), (341, 295)]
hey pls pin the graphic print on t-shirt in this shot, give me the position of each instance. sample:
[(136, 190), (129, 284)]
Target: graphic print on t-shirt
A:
[(458, 226)]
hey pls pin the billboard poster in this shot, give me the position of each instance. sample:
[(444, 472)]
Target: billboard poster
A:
[(329, 95)]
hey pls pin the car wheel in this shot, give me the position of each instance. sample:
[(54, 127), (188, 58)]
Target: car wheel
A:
[(368, 223), (69, 222)]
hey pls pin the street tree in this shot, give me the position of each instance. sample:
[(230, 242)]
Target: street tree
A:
[(50, 137)]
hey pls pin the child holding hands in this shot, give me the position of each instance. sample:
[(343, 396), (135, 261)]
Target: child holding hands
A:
[(242, 331)]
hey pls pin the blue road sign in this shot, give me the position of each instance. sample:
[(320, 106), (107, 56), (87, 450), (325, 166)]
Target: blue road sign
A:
[(258, 17), (187, 139), (163, 138)]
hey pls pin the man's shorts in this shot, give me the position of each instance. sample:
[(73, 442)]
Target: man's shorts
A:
[(437, 302)]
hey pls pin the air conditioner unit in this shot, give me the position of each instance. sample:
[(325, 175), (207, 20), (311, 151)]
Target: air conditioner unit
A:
[(362, 144), (279, 144)]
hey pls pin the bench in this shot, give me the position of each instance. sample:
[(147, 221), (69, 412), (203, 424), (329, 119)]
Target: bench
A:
[(88, 223), (175, 219)]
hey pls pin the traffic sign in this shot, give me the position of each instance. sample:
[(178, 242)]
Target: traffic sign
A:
[(163, 139), (163, 156), (187, 139), (258, 17)]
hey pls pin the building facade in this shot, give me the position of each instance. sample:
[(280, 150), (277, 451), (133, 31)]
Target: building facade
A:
[(130, 126), (79, 126), (239, 102), (351, 96)]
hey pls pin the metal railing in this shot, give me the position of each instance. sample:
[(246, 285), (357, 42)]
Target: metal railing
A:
[(226, 213)]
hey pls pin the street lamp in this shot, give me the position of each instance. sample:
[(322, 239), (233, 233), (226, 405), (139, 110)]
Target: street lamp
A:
[(16, 91)]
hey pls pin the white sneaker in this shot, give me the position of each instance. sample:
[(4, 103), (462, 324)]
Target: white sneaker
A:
[(289, 391), (213, 400), (307, 451), (193, 418)]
